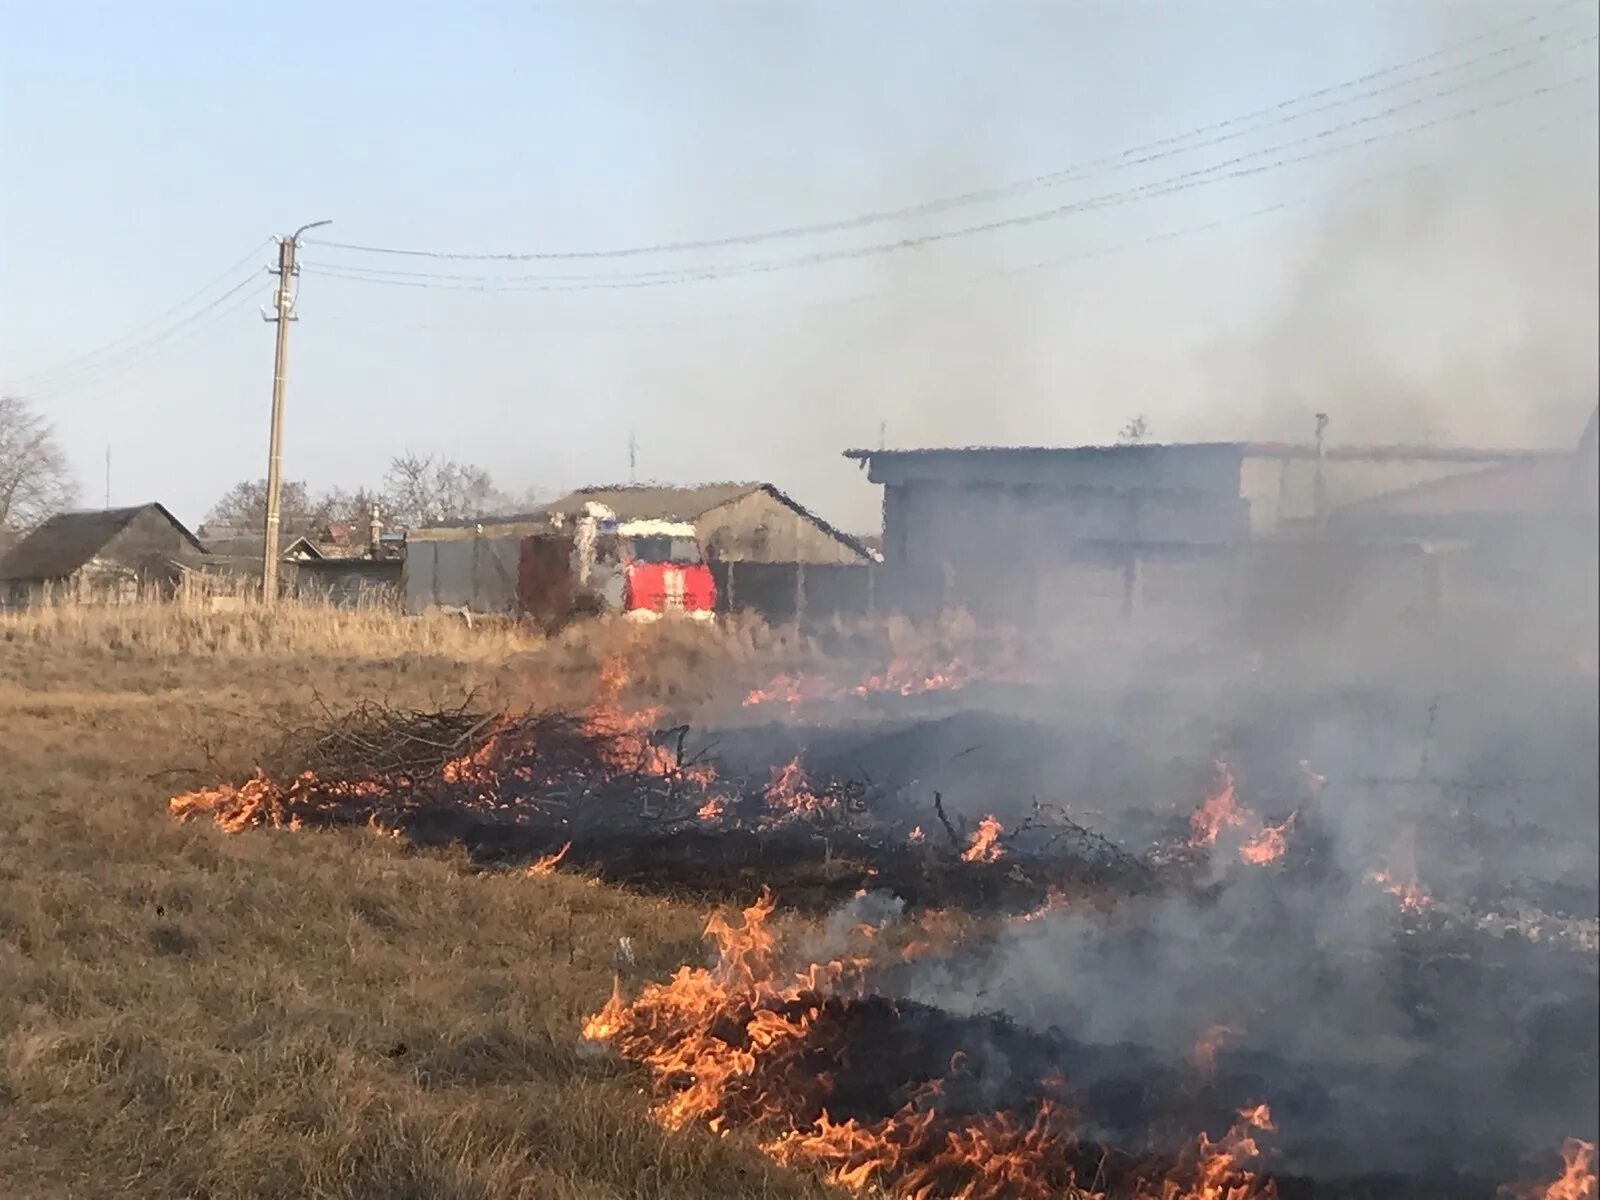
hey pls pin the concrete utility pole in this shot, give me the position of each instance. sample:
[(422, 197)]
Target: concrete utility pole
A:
[(283, 304), (1319, 500)]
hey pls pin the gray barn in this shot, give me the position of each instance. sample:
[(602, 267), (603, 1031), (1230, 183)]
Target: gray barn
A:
[(105, 554), (1005, 531)]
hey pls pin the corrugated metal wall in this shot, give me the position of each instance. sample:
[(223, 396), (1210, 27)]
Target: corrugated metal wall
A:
[(479, 573)]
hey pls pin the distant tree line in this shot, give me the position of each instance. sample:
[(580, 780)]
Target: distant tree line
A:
[(417, 490)]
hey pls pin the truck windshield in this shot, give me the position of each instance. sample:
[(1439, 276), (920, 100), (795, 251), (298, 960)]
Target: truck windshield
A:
[(665, 550)]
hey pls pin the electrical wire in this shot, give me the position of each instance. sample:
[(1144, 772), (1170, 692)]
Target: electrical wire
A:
[(1031, 268), (116, 346), (1185, 181), (137, 355), (1135, 156)]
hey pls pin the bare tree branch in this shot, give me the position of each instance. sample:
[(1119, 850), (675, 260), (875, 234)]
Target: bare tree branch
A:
[(35, 479)]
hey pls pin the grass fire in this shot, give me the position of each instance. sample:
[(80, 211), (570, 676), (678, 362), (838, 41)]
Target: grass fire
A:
[(942, 987)]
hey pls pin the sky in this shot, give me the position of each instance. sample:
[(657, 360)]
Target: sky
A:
[(1414, 254)]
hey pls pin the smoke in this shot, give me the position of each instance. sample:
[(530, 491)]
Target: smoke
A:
[(1434, 286)]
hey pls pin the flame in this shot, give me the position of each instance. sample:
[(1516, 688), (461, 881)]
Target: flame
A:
[(939, 930), (905, 678), (1055, 900), (1398, 876), (510, 754), (736, 1045), (1220, 810), (547, 865), (916, 836), (1268, 845), (1205, 1050), (985, 847), (712, 809), (789, 796), (1577, 1181), (1412, 895), (900, 677), (1220, 1169)]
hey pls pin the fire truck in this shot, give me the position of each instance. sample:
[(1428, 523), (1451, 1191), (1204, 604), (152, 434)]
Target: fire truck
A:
[(644, 569), (562, 566)]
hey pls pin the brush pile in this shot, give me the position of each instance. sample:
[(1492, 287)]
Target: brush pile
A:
[(615, 795)]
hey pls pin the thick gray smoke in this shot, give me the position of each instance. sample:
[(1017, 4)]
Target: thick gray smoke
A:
[(1434, 286)]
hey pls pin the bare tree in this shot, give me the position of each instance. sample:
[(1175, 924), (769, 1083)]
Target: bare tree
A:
[(421, 490), (1135, 431), (35, 479), (244, 506)]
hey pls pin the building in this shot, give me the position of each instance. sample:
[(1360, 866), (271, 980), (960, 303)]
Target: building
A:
[(1524, 533), (767, 552), (329, 565), (105, 554), (736, 522), (1005, 531)]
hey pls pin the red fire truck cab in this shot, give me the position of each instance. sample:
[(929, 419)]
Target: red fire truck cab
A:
[(663, 572)]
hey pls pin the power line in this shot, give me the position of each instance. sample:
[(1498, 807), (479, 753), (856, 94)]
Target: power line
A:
[(1185, 181), (116, 347), (1344, 187), (1135, 156), (136, 356)]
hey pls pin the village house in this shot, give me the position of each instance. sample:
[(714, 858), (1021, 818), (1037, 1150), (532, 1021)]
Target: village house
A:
[(104, 554), (330, 564)]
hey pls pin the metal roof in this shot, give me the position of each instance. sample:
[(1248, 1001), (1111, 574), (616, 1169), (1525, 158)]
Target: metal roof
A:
[(652, 501), (68, 540), (1248, 449)]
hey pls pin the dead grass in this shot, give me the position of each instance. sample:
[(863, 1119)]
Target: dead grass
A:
[(188, 1014)]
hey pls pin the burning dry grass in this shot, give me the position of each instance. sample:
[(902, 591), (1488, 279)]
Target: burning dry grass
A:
[(187, 1014), (747, 1044)]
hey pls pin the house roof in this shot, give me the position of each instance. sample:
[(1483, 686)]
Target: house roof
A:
[(237, 544), (70, 539), (1549, 484), (1548, 487), (649, 501), (645, 502)]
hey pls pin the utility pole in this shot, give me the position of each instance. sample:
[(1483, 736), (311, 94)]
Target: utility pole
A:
[(1319, 501), (283, 304), (633, 462), (108, 476)]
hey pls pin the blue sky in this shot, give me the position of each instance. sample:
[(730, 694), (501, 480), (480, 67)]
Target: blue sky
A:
[(146, 148)]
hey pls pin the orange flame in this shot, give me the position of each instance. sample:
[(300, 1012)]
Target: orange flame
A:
[(1413, 897), (984, 846), (916, 836), (1577, 1181), (1268, 845), (547, 865), (727, 1046), (1220, 1168), (1055, 900), (790, 797), (1219, 811), (900, 677)]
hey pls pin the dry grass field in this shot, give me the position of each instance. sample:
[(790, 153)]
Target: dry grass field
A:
[(189, 1014)]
